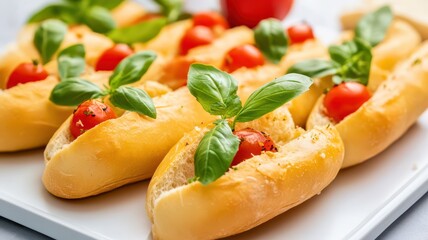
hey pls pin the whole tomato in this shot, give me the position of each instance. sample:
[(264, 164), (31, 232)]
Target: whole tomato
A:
[(251, 12), (252, 143), (89, 114), (26, 72), (345, 99)]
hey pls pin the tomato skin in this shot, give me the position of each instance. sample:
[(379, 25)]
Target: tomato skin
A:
[(112, 57), (243, 56), (300, 33), (210, 19), (252, 143), (251, 12), (196, 36), (26, 72), (345, 99), (89, 114)]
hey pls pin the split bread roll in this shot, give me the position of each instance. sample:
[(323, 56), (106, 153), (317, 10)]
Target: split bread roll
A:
[(28, 119), (393, 108), (251, 193), (413, 11), (119, 151), (399, 43), (129, 148)]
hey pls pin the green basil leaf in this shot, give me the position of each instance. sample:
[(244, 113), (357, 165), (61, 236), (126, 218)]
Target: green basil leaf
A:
[(110, 4), (271, 39), (74, 91), (215, 90), (373, 26), (171, 9), (141, 32), (62, 11), (48, 37), (133, 99), (99, 19), (273, 95), (215, 153), (131, 69), (354, 58), (314, 68), (71, 61)]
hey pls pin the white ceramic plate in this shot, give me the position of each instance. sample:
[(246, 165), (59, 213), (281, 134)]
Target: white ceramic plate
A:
[(359, 204)]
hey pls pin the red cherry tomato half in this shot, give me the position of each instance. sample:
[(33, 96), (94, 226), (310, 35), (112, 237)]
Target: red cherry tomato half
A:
[(243, 56), (300, 33), (345, 99), (26, 72), (253, 142), (89, 114), (251, 12), (210, 19), (196, 36), (112, 57)]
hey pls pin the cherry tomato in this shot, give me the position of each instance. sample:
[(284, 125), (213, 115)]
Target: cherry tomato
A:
[(112, 57), (300, 33), (253, 142), (89, 114), (243, 56), (196, 36), (345, 99), (26, 72), (251, 12), (210, 19)]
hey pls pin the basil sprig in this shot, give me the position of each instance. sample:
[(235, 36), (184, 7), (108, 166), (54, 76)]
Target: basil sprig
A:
[(73, 91), (71, 61), (215, 152), (373, 27), (94, 13), (141, 32), (351, 60), (216, 91), (271, 39), (48, 38)]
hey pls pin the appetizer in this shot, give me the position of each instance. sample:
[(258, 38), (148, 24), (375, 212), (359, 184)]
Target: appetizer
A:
[(230, 176)]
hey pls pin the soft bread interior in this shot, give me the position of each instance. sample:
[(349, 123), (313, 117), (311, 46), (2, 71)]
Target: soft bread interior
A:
[(393, 108), (252, 193), (63, 137), (175, 173)]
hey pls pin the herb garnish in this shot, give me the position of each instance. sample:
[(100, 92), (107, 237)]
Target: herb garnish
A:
[(97, 16), (351, 60), (271, 39), (74, 90), (48, 38), (216, 91)]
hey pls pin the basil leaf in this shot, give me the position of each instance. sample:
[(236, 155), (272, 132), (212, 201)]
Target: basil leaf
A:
[(271, 39), (99, 19), (71, 61), (62, 11), (74, 91), (141, 32), (273, 95), (133, 99), (373, 26), (215, 153), (354, 58), (314, 68), (131, 69), (215, 90), (110, 4), (48, 37), (171, 9)]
